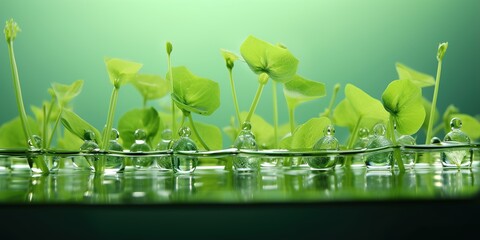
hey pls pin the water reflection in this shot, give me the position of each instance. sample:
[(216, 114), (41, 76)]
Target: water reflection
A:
[(217, 185)]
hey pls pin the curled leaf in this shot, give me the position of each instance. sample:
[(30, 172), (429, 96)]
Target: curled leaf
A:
[(65, 93), (194, 94), (76, 125), (300, 90)]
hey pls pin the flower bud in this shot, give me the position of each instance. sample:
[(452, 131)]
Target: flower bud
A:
[(442, 48)]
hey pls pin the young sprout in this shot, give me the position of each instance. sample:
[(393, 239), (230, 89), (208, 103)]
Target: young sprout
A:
[(230, 59), (11, 29), (442, 48)]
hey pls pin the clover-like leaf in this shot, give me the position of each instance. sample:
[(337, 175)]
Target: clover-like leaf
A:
[(11, 133), (76, 125), (121, 71), (151, 86), (306, 135), (194, 94), (263, 57), (146, 119), (403, 100), (418, 78), (300, 90), (65, 93), (358, 106)]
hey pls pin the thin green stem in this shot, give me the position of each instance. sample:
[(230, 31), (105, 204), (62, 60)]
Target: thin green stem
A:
[(18, 94), (275, 114), (44, 126), (351, 141), (397, 156), (196, 133), (110, 116), (255, 102), (291, 118), (235, 101), (434, 103), (144, 102), (174, 120), (55, 125), (328, 112)]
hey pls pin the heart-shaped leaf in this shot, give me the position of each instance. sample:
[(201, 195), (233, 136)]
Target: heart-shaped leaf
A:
[(306, 135), (121, 71), (146, 119), (65, 93), (418, 78), (151, 86), (300, 90), (274, 60), (76, 125), (403, 100), (194, 94)]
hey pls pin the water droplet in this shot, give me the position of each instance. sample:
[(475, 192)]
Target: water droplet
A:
[(140, 134), (88, 135), (247, 126), (184, 164), (435, 140), (114, 134), (379, 129), (363, 133), (167, 134), (456, 123), (184, 132), (329, 130)]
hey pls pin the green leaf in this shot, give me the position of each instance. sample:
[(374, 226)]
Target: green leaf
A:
[(470, 125), (418, 78), (428, 106), (403, 100), (121, 71), (69, 141), (145, 118), (263, 57), (76, 125), (65, 93), (151, 86), (356, 106), (300, 90), (194, 94), (262, 130), (306, 135), (11, 133), (211, 134)]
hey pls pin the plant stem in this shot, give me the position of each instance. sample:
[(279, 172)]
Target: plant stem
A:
[(174, 127), (434, 103), (328, 112), (255, 102), (144, 102), (397, 156), (291, 117), (351, 141), (55, 125), (196, 133), (44, 126), (18, 94), (235, 101), (108, 125), (275, 114)]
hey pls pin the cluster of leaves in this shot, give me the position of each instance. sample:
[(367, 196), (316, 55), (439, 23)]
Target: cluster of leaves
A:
[(401, 105)]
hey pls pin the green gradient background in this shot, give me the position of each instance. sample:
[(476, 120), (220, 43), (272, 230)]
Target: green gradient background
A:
[(341, 41)]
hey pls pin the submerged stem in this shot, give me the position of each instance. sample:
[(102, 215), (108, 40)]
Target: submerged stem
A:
[(196, 133), (235, 101), (275, 114), (351, 141), (108, 125), (434, 103)]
